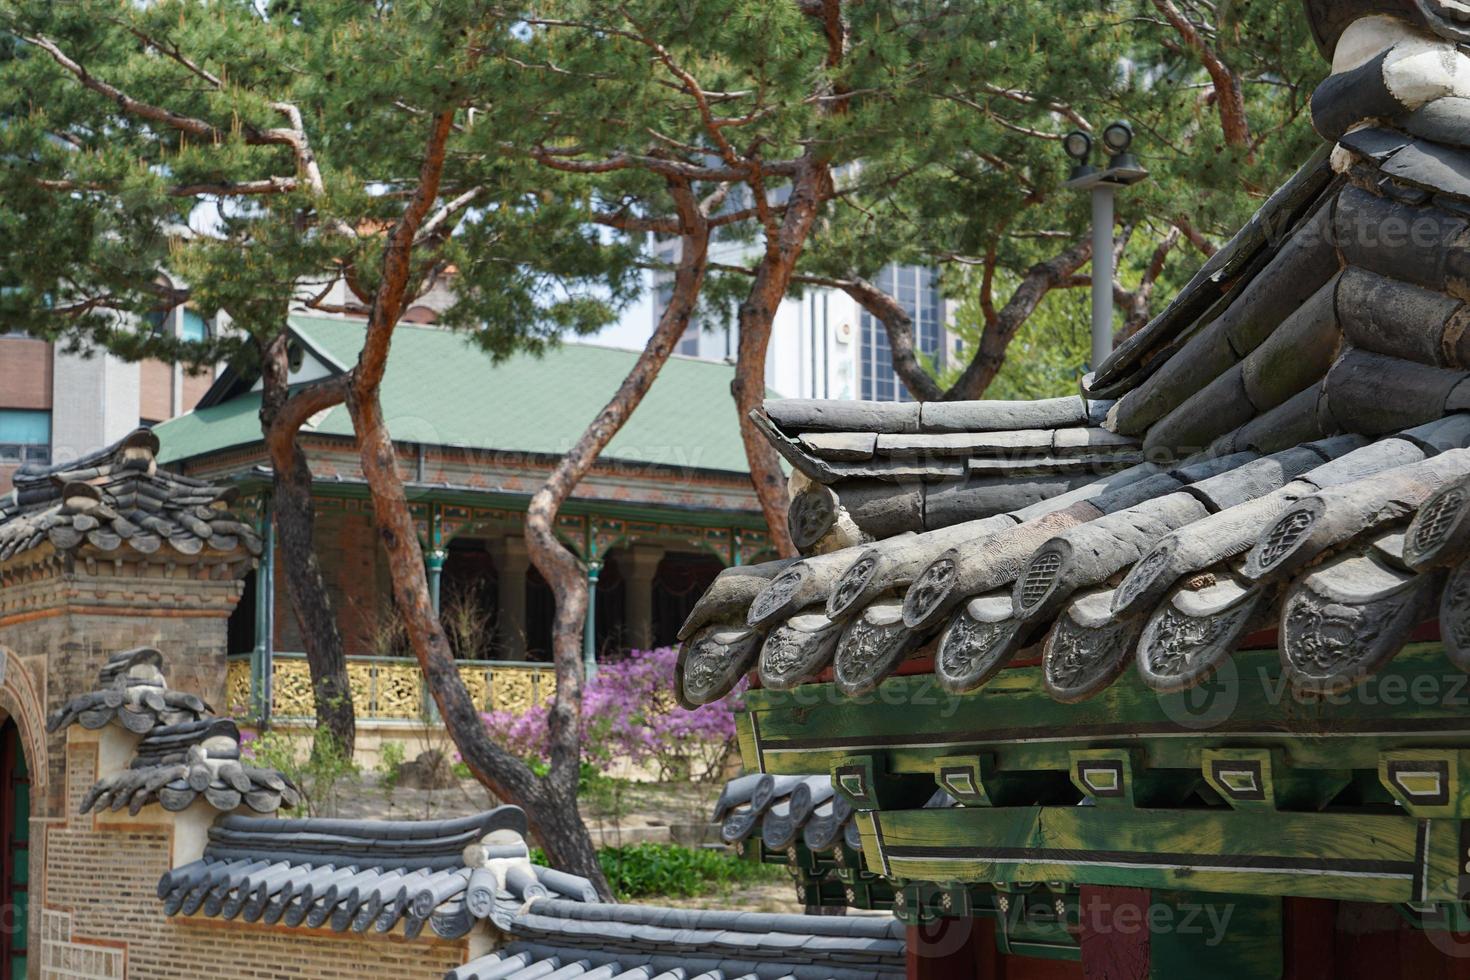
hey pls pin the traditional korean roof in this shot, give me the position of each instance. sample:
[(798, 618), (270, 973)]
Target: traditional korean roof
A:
[(447, 876), (782, 810), (1302, 408), (639, 942), (132, 692), (362, 876), (116, 500), (441, 389), (185, 752)]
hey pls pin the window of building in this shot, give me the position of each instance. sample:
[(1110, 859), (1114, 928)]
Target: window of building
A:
[(25, 436), (917, 289), (195, 328)]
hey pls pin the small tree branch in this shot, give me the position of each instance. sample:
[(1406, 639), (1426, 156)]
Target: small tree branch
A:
[(996, 337), (1229, 97), (387, 304)]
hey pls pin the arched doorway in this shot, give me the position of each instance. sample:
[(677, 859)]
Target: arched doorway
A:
[(15, 832)]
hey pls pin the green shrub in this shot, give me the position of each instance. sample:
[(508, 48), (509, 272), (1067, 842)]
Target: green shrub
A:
[(390, 760), (315, 761), (671, 870)]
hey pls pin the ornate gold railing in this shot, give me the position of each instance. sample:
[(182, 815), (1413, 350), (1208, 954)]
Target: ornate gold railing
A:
[(392, 688)]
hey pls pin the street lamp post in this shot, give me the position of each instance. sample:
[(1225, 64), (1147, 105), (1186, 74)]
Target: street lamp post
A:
[(1123, 170)]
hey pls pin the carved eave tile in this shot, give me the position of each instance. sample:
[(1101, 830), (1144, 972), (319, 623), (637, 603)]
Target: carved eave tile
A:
[(712, 662), (798, 650), (730, 595), (825, 827), (929, 597), (778, 829), (1198, 625), (805, 583), (1087, 647), (1344, 621), (981, 639), (810, 793), (853, 584), (812, 514), (1439, 535), (739, 824), (871, 647)]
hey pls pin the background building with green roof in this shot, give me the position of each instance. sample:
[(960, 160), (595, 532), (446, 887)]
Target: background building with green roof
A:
[(666, 507)]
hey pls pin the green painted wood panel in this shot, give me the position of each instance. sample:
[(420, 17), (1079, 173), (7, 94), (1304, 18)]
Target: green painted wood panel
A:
[(1357, 856), (1419, 700)]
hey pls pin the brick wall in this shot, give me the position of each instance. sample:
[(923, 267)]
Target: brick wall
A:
[(94, 907), (155, 390), (25, 373), (66, 624), (101, 918)]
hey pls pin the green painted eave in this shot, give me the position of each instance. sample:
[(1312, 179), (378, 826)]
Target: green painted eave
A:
[(255, 483), (441, 389)]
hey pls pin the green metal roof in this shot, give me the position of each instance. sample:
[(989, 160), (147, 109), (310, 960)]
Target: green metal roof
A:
[(440, 389)]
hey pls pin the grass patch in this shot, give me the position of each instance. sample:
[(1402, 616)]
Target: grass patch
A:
[(647, 870)]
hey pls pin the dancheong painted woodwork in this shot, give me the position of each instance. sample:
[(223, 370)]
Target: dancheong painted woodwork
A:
[(1197, 634)]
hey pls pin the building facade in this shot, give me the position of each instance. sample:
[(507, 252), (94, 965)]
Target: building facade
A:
[(57, 406), (823, 343), (666, 508)]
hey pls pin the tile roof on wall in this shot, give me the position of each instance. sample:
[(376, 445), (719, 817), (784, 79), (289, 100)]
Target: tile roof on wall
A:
[(640, 942)]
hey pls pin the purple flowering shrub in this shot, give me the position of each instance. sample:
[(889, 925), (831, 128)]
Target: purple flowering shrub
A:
[(629, 713)]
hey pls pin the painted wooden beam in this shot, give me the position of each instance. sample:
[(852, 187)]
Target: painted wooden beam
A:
[(1386, 857)]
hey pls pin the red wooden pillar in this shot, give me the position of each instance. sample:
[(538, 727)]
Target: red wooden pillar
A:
[(954, 949), (1309, 943), (1115, 933)]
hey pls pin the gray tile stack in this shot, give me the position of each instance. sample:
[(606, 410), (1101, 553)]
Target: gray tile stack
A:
[(782, 810), (131, 692), (118, 498), (177, 764)]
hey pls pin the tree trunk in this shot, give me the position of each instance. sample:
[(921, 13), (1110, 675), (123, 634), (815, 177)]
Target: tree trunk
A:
[(996, 338), (557, 564), (281, 417), (811, 186), (551, 803)]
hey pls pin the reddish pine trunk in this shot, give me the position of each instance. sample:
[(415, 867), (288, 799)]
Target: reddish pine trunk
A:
[(281, 417)]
